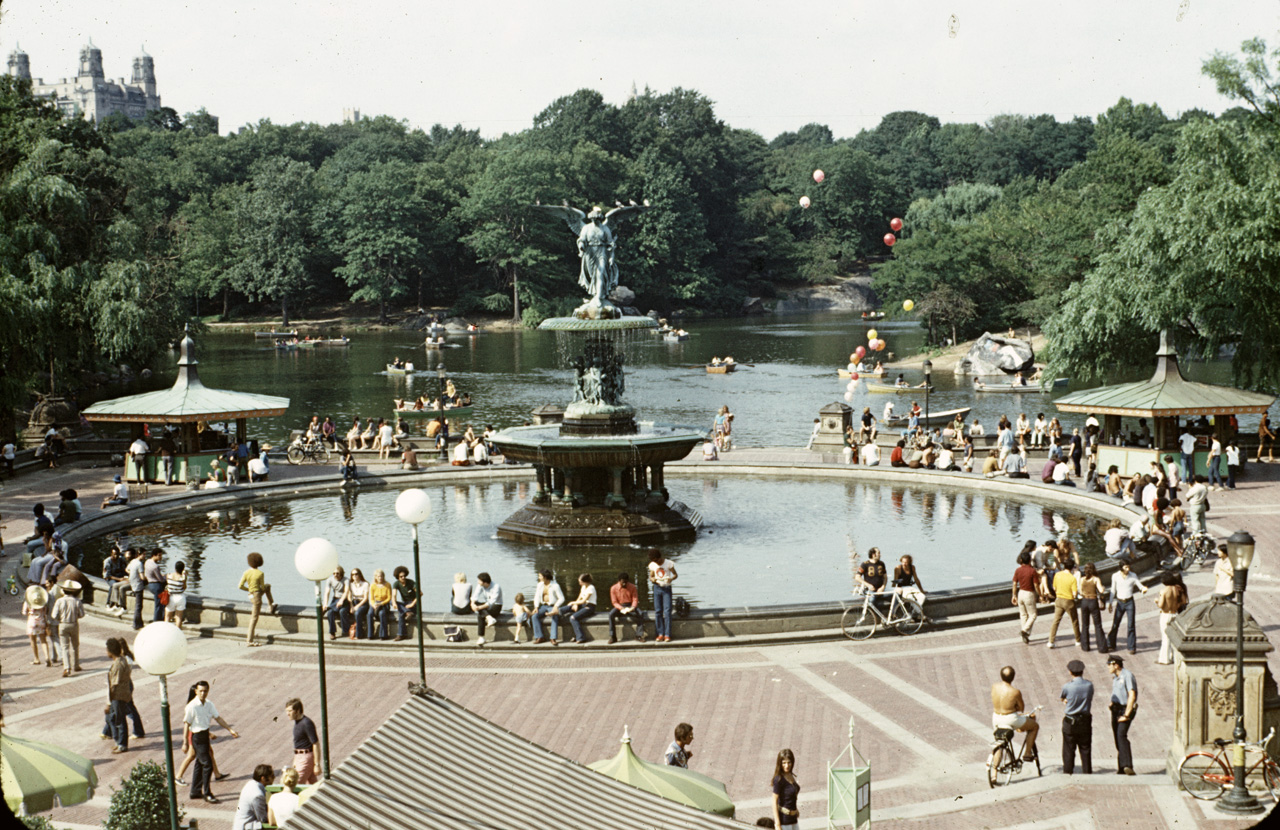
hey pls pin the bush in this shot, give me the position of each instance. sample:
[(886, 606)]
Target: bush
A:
[(36, 822), (143, 802)]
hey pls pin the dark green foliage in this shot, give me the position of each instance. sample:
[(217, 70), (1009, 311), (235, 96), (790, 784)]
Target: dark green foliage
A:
[(36, 822), (142, 801)]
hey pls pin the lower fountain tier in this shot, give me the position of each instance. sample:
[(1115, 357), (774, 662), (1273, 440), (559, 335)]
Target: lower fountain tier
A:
[(591, 525)]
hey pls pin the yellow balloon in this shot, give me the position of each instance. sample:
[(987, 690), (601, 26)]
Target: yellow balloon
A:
[(872, 335), (907, 305)]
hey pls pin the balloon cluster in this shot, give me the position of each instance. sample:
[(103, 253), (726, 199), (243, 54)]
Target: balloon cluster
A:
[(895, 224)]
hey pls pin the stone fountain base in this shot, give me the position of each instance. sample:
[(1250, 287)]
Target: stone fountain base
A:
[(553, 524)]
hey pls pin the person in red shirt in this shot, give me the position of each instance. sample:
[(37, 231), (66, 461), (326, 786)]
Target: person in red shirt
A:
[(625, 600), (1024, 593), (895, 457)]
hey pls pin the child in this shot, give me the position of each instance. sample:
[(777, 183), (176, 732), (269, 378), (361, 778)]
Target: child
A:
[(521, 614), (36, 609)]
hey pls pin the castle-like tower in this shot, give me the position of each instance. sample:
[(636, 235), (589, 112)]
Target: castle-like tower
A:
[(91, 94)]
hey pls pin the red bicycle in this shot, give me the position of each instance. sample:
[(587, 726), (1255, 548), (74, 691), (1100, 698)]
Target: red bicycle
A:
[(1207, 775)]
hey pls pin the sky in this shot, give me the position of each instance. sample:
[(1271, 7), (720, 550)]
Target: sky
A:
[(768, 66)]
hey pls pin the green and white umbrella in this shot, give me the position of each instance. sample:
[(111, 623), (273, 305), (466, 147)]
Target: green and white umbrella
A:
[(691, 788), (37, 775)]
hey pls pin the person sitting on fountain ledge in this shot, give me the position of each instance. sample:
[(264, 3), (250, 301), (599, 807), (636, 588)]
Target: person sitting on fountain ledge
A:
[(486, 602)]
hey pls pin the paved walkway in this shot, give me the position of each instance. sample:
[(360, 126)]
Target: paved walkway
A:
[(919, 705)]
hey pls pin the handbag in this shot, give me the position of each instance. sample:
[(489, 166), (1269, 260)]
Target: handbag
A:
[(163, 599)]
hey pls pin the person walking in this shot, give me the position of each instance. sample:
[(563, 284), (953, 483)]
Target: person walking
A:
[(662, 572), (67, 612), (35, 607), (786, 791), (137, 583), (1172, 599), (1266, 438), (199, 716), (625, 599), (678, 753), (306, 745), (1092, 598), (1025, 594), (1213, 463), (254, 581), (1233, 463), (1123, 585), (119, 694), (1065, 588), (1077, 720), (175, 583), (1124, 708)]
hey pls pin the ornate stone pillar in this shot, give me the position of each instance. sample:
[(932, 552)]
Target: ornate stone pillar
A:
[(541, 491), (615, 498), (1204, 667)]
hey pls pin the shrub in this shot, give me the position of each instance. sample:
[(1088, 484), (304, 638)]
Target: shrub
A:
[(142, 803), (36, 823)]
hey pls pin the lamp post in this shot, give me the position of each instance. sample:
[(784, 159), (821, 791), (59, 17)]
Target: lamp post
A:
[(1238, 801), (160, 649), (928, 382), (441, 375), (413, 507), (316, 559)]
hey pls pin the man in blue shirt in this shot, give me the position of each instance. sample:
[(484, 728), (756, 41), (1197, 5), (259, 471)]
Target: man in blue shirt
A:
[(1077, 720), (1124, 707)]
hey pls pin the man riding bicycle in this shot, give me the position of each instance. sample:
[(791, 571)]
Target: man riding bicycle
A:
[(1008, 712)]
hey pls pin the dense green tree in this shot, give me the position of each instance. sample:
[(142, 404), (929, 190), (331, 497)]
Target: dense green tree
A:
[(201, 123)]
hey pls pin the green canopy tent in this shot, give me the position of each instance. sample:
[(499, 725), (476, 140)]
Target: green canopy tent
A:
[(35, 775), (675, 783)]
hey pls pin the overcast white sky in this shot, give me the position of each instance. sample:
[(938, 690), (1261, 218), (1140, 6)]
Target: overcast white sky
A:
[(768, 66)]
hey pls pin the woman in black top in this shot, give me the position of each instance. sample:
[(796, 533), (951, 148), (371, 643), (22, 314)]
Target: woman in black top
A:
[(786, 790)]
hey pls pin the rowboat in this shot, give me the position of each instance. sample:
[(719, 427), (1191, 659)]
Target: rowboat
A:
[(935, 419), (721, 368), (672, 337), (265, 334), (1059, 382), (873, 315), (1008, 388), (335, 341), (845, 373), (406, 369), (889, 388), (451, 412)]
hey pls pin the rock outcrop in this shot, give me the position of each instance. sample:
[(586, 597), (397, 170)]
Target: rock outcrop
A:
[(853, 294), (994, 354)]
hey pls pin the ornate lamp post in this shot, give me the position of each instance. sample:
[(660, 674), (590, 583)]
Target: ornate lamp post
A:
[(160, 649), (1238, 801), (316, 559), (928, 382), (413, 507), (441, 375)]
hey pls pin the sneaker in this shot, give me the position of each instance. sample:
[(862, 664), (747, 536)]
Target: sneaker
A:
[(179, 781), (640, 637), (612, 640), (479, 641), (119, 612), (116, 750), (1049, 644), (489, 620), (1026, 638)]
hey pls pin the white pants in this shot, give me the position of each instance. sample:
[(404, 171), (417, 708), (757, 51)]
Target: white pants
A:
[(1027, 609), (1166, 650)]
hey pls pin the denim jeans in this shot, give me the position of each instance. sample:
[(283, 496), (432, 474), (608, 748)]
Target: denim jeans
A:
[(155, 588), (131, 711), (339, 614), (1188, 467), (1215, 470), (537, 622), (364, 621), (383, 618), (119, 725), (402, 626), (576, 618), (1124, 607), (662, 610), (636, 616)]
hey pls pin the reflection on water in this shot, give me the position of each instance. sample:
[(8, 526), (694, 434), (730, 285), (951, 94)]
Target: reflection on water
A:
[(767, 541)]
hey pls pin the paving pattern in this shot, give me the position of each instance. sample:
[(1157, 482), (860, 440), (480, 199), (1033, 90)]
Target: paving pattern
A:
[(919, 705)]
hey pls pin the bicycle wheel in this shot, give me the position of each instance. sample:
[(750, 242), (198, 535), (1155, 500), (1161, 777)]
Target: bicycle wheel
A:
[(858, 622), (1271, 777), (321, 455), (911, 617), (294, 455), (1000, 766), (1204, 776)]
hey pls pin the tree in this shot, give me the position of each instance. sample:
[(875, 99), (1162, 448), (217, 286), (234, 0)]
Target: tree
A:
[(381, 223), (946, 307), (201, 123), (274, 234)]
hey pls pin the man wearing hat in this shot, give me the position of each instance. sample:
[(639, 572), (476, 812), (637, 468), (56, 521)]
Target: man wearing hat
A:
[(1077, 720), (119, 494), (67, 612), (1124, 706)]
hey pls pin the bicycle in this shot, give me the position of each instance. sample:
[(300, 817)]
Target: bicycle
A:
[(317, 452), (1004, 760), (859, 622), (1207, 775), (1200, 548)]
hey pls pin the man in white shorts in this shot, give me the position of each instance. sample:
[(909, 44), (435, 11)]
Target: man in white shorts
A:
[(1006, 701)]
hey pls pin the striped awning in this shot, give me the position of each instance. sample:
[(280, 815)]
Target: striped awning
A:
[(1166, 395), (187, 401), (434, 764)]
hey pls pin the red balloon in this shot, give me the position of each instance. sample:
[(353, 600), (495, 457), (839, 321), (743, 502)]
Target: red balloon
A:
[(853, 375), (889, 239), (895, 223), (859, 352)]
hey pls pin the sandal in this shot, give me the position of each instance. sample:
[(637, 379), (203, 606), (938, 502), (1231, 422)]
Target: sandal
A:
[(221, 776), (254, 644)]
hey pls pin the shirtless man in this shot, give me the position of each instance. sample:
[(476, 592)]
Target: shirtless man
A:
[(1007, 706)]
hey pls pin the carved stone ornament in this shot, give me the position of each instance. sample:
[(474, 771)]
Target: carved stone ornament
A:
[(1220, 691)]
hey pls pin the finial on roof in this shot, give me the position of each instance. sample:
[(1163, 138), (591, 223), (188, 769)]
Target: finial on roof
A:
[(626, 736), (143, 50), (1165, 347)]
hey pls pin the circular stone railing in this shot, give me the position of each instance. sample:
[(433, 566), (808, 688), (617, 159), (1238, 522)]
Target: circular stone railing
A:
[(948, 608)]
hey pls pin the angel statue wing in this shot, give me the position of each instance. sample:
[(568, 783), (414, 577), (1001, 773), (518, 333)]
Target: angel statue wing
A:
[(572, 217), (621, 208)]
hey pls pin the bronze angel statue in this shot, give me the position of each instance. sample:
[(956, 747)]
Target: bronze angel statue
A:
[(599, 274)]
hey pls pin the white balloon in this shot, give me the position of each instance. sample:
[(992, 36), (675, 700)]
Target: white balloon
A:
[(848, 396), (853, 385), (853, 367)]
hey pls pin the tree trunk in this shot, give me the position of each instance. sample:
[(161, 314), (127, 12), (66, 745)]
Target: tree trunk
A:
[(955, 340), (382, 312), (226, 303), (515, 294), (284, 311)]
